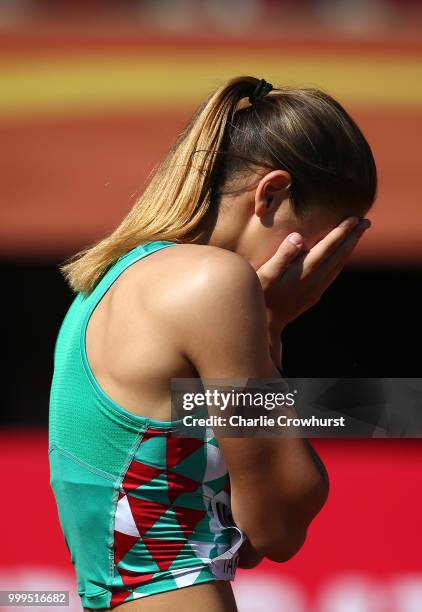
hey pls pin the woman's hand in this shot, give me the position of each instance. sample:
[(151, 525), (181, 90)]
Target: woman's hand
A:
[(294, 280)]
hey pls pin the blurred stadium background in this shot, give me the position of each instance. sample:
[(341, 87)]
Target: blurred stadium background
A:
[(92, 94)]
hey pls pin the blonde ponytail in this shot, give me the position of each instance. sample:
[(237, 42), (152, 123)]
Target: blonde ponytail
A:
[(177, 196)]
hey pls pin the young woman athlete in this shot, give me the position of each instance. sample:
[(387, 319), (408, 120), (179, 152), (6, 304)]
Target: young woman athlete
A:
[(250, 217)]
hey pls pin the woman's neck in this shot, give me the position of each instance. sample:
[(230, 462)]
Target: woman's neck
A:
[(221, 228)]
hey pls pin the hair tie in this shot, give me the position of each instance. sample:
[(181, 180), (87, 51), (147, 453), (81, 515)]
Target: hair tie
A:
[(260, 91)]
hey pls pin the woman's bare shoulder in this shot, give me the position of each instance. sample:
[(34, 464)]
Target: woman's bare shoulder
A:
[(191, 281), (194, 267), (201, 254)]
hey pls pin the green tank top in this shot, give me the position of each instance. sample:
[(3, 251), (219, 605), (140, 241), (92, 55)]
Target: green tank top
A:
[(142, 510)]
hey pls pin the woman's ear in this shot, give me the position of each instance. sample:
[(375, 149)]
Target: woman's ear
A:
[(272, 188)]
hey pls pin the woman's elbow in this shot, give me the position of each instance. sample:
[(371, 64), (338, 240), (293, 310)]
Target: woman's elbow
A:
[(280, 546), (281, 533)]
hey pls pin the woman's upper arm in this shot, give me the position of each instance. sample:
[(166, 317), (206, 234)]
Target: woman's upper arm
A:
[(225, 331), (224, 334)]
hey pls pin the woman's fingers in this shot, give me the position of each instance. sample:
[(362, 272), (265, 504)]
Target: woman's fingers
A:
[(288, 250), (331, 267), (339, 258), (329, 244)]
